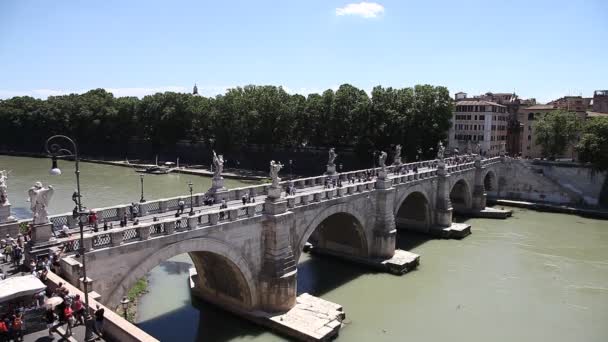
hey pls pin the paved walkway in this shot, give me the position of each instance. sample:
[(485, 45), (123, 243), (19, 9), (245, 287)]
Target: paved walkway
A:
[(43, 335)]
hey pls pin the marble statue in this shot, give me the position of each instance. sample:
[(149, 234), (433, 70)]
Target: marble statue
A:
[(503, 147), (476, 148), (332, 156), (218, 165), (39, 201), (440, 150), (382, 160), (3, 187), (274, 173), (398, 152), (468, 151)]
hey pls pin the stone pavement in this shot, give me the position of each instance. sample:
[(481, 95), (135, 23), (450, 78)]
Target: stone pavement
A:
[(43, 335)]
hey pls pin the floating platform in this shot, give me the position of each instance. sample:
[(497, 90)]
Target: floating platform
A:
[(400, 263), (455, 231), (492, 213), (311, 319)]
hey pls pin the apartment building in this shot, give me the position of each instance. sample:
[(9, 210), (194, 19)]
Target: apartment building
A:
[(478, 121), (572, 103), (528, 118)]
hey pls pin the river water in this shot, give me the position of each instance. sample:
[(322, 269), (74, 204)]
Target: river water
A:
[(533, 277)]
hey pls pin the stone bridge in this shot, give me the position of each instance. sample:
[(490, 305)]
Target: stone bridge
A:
[(246, 256)]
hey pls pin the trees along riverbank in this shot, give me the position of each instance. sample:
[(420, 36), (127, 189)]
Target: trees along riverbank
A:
[(416, 117)]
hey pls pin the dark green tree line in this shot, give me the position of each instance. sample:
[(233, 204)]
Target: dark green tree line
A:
[(263, 115)]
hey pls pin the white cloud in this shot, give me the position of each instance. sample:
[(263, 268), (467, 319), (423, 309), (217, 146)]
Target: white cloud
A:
[(362, 9)]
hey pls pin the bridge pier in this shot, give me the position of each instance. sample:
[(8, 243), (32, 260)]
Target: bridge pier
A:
[(278, 278)]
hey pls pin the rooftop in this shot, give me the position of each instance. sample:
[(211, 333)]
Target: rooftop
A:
[(478, 103), (540, 107)]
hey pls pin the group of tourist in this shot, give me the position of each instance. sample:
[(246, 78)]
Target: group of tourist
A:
[(70, 311), (11, 250), (247, 198), (12, 325)]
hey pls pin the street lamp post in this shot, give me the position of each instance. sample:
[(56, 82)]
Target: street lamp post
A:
[(125, 306), (141, 179), (191, 202), (55, 150)]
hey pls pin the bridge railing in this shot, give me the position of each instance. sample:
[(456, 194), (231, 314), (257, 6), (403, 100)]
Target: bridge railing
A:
[(167, 226), (114, 213)]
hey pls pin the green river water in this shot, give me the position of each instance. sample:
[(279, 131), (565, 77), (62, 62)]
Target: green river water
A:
[(533, 277)]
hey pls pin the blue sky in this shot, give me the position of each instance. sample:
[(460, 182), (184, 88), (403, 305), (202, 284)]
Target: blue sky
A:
[(542, 49)]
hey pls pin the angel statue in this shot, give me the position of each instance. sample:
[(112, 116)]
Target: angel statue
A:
[(398, 151), (476, 148), (440, 150), (218, 165), (274, 172), (382, 160), (39, 201), (3, 187), (332, 156)]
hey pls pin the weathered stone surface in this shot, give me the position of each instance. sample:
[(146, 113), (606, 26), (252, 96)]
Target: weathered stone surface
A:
[(247, 260)]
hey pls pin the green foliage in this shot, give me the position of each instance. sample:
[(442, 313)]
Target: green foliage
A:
[(140, 287), (264, 115), (555, 131), (593, 145)]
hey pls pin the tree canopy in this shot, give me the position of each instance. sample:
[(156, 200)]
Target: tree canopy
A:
[(593, 144), (263, 115), (555, 131)]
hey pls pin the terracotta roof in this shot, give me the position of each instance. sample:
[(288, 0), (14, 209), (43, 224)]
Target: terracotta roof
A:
[(477, 103), (540, 106)]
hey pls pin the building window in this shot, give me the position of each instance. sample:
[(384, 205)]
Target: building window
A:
[(481, 117), (530, 116), (529, 137)]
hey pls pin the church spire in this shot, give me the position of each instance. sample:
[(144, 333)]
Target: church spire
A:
[(195, 90)]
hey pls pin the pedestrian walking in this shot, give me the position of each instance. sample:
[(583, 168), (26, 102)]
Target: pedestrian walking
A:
[(50, 317), (181, 205), (78, 308), (99, 321)]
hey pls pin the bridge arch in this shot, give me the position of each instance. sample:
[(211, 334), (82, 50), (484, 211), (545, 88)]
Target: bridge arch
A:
[(413, 210), (339, 228), (460, 196), (490, 182), (223, 274)]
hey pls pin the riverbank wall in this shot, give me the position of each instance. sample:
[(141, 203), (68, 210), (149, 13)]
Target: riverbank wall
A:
[(570, 184), (552, 208)]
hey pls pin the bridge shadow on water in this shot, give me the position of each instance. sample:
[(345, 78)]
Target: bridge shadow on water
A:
[(197, 320), (408, 240), (319, 274)]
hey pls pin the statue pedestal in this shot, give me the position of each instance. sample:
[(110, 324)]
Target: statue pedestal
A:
[(42, 232), (217, 183), (331, 169), (274, 193), (5, 213)]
